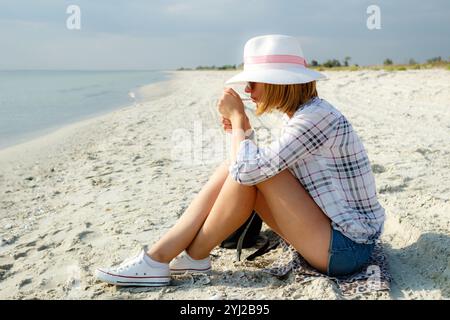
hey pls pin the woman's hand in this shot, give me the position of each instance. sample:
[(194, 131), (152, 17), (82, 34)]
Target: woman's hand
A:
[(230, 104), (226, 123), (227, 126)]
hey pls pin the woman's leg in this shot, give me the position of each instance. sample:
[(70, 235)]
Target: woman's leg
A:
[(186, 228), (300, 220), (282, 203), (232, 208)]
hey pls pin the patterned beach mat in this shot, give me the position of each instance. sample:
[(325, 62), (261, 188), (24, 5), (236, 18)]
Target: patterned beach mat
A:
[(373, 277)]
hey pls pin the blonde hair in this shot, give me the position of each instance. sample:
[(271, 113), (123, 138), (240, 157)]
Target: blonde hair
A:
[(285, 98)]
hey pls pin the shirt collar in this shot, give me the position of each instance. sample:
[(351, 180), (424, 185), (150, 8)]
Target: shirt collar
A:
[(308, 103)]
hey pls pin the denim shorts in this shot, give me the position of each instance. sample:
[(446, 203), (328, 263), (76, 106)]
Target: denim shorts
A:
[(345, 255)]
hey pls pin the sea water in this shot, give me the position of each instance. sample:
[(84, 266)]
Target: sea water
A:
[(36, 102)]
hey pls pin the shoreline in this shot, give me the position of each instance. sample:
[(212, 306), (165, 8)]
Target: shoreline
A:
[(25, 138), (51, 138)]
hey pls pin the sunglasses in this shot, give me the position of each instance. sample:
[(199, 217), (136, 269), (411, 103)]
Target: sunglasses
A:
[(251, 85)]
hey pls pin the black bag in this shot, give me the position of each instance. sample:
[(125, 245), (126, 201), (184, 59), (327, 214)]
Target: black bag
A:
[(247, 236), (248, 233)]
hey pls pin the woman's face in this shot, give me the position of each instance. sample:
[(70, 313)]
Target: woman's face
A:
[(255, 89)]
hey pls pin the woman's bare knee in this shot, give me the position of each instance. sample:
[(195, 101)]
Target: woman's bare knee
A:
[(220, 174)]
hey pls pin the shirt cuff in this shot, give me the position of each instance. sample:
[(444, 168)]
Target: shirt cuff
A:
[(250, 135), (246, 155)]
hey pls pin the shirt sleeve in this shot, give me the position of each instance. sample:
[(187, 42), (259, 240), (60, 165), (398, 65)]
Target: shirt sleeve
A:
[(302, 136)]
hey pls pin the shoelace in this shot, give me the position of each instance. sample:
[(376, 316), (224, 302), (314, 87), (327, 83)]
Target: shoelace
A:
[(132, 261), (182, 257)]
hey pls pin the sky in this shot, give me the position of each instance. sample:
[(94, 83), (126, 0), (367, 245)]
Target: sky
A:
[(161, 35)]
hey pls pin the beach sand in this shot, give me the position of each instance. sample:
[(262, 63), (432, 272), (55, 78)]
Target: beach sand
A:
[(93, 193)]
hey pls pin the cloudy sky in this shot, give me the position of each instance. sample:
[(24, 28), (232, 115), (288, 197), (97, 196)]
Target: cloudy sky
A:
[(157, 34)]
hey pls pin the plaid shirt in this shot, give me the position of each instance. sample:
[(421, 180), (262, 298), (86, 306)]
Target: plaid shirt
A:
[(319, 146)]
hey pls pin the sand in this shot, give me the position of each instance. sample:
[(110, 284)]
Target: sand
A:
[(93, 193)]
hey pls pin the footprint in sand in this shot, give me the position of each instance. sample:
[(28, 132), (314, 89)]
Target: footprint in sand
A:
[(22, 254), (378, 168), (4, 269), (83, 235), (424, 152), (57, 231), (8, 240), (80, 238), (24, 282), (44, 247), (31, 244), (395, 188)]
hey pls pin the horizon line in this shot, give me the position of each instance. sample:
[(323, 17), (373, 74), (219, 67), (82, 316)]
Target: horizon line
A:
[(89, 70)]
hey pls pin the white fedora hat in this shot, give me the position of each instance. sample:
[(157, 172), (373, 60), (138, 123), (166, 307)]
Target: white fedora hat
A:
[(275, 59)]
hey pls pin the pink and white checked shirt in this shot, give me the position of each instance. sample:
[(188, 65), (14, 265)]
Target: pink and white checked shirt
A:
[(319, 146)]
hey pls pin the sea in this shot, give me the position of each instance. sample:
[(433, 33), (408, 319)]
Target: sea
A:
[(33, 103)]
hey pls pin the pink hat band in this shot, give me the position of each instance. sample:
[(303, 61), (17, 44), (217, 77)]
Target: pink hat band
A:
[(275, 58)]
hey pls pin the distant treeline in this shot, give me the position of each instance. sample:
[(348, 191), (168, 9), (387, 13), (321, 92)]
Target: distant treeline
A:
[(333, 63), (224, 67), (388, 64)]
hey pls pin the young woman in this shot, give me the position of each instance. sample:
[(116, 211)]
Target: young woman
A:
[(313, 186)]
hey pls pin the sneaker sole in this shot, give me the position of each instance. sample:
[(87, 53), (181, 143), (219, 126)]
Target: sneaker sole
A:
[(118, 280), (182, 271)]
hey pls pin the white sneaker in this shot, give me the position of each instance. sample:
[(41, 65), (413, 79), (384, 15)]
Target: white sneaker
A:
[(140, 270), (184, 263)]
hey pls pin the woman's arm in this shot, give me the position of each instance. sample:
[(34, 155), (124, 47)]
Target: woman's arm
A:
[(302, 136), (232, 110), (238, 134)]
